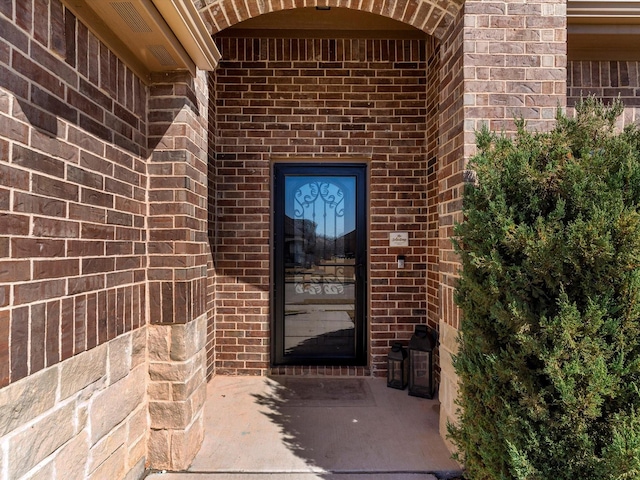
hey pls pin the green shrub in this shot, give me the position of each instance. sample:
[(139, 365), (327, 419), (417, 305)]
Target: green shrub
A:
[(549, 358)]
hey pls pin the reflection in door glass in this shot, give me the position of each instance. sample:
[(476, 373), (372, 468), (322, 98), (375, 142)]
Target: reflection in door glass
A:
[(319, 256)]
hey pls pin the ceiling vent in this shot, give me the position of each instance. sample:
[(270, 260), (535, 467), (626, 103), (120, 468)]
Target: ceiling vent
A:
[(131, 17), (150, 36), (162, 55)]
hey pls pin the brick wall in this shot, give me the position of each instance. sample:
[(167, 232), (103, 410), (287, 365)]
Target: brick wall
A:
[(178, 249), (432, 184), (340, 98), (606, 80), (501, 60), (515, 63), (72, 250), (211, 229), (72, 190), (451, 165), (431, 16), (451, 157)]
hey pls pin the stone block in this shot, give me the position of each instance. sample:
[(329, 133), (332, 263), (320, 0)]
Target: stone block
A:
[(158, 342), (35, 442), (160, 391), (138, 425), (71, 461), (139, 347), (172, 371), (107, 446), (446, 363), (119, 358), (137, 471), (198, 398), (44, 472), (137, 452), (448, 379), (112, 467), (82, 416), (23, 401), (186, 443), (182, 391), (188, 339), (114, 404), (82, 370), (158, 449), (170, 415)]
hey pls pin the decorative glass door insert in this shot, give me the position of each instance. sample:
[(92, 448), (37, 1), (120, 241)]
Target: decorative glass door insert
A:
[(319, 259)]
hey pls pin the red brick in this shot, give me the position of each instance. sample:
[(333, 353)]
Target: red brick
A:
[(43, 269), (5, 332), (19, 343)]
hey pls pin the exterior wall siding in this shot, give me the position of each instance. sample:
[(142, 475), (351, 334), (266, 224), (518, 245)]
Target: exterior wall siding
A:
[(112, 193), (83, 418), (88, 219), (311, 100), (431, 16), (73, 258), (72, 190), (501, 60), (211, 230), (179, 254), (608, 81), (451, 164)]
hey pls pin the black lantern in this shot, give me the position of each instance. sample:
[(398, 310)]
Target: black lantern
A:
[(397, 367), (421, 346)]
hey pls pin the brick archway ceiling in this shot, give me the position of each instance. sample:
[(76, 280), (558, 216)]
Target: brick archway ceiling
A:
[(430, 16)]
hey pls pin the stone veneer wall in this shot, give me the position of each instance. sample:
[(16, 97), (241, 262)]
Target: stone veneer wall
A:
[(73, 259), (323, 99), (84, 418)]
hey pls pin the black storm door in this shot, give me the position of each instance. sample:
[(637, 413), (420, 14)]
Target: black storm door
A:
[(319, 297)]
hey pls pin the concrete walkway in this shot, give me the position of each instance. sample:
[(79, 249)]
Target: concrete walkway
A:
[(294, 428)]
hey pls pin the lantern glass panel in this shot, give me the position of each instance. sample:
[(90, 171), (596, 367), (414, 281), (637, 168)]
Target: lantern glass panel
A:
[(420, 382), (397, 368)]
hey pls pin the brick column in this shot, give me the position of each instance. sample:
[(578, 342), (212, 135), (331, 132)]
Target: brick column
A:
[(501, 60), (177, 267), (515, 60)]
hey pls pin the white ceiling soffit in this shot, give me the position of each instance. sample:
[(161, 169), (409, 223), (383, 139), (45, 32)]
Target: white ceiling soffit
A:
[(186, 23), (603, 30), (137, 32), (603, 11)]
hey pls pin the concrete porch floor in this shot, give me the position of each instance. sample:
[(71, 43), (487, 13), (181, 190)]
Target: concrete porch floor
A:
[(317, 428)]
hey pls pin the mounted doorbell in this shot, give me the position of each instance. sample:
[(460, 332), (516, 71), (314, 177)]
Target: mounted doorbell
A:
[(400, 261)]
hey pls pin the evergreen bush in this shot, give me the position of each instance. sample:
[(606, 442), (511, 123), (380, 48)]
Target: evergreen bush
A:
[(549, 359)]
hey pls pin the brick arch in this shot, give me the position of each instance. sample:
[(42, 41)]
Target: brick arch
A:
[(430, 16)]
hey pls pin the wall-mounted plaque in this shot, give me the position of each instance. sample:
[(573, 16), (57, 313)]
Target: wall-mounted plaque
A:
[(399, 239)]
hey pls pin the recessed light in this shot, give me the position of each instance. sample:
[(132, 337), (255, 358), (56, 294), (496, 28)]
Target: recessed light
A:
[(323, 7)]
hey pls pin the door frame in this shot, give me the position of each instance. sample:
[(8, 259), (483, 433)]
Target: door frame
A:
[(321, 167)]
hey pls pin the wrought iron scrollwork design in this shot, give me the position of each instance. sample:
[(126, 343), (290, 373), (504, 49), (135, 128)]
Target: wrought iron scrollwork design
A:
[(320, 201)]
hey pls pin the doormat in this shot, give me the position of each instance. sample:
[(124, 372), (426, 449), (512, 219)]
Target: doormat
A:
[(325, 392)]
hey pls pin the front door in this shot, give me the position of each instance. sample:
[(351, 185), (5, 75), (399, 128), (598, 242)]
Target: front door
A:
[(319, 257)]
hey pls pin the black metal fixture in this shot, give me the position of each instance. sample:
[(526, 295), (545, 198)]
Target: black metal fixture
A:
[(323, 7), (397, 367), (421, 347)]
